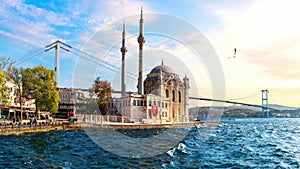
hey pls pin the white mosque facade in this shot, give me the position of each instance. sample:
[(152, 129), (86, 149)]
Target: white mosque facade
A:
[(162, 97)]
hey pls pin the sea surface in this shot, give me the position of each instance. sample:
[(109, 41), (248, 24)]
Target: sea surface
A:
[(239, 143)]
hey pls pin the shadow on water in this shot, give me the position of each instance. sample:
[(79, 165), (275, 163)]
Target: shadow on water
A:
[(142, 133)]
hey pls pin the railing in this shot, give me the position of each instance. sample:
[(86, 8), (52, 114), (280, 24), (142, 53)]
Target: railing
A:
[(101, 119), (26, 124)]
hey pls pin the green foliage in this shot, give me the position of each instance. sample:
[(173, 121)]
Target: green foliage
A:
[(3, 89), (5, 64), (40, 83), (15, 75), (103, 91), (92, 107)]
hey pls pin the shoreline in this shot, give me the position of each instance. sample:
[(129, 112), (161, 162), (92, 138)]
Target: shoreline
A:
[(116, 126)]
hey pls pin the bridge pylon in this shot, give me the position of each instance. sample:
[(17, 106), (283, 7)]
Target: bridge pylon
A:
[(264, 103)]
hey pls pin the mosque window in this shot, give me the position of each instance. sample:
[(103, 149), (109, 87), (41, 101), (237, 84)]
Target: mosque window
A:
[(150, 113), (150, 102), (154, 102), (134, 103), (173, 95), (179, 96), (167, 93), (145, 103)]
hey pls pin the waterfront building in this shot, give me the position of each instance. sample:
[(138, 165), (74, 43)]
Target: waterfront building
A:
[(162, 97), (71, 101), (12, 108)]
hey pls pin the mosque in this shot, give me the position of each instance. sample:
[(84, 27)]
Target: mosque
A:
[(162, 97)]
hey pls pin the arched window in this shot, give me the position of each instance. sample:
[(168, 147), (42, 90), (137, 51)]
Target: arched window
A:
[(173, 95), (167, 93), (179, 96), (139, 103)]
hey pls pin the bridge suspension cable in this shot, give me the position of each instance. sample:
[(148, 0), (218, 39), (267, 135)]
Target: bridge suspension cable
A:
[(91, 58), (102, 63), (35, 53), (274, 102), (246, 97), (225, 101)]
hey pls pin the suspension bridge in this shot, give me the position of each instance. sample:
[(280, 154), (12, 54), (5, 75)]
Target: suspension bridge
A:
[(58, 45), (264, 106)]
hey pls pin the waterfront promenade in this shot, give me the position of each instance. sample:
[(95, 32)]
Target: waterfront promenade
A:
[(25, 127), (60, 124)]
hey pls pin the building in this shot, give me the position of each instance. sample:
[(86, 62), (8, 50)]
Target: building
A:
[(71, 101), (12, 109), (161, 97)]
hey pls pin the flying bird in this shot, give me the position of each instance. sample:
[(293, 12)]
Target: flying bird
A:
[(234, 54)]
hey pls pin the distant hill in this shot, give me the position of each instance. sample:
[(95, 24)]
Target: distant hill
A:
[(281, 107), (236, 111), (274, 106)]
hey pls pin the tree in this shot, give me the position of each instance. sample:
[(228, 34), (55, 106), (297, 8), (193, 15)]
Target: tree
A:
[(40, 83), (6, 63), (103, 91), (3, 90), (15, 75)]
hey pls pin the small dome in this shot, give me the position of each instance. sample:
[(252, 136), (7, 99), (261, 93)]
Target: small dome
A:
[(164, 68)]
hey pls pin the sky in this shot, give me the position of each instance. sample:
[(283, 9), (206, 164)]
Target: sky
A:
[(265, 34)]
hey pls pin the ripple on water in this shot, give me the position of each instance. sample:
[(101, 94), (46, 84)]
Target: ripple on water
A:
[(243, 143)]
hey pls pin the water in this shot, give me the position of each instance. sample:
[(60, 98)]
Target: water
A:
[(242, 143)]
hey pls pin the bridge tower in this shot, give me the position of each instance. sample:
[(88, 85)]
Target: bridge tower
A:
[(57, 45), (264, 102)]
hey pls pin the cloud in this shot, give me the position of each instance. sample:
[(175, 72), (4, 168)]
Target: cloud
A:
[(28, 23), (280, 59), (283, 95), (265, 34)]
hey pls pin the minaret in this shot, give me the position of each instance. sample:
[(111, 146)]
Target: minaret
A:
[(186, 85), (123, 51), (161, 79), (141, 41)]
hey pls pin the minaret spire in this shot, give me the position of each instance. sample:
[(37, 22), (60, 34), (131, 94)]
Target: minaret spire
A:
[(123, 51), (141, 41)]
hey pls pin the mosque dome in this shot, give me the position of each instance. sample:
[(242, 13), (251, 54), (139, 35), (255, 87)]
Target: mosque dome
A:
[(163, 68)]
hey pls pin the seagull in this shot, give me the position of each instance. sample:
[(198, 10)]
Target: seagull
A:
[(234, 54)]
